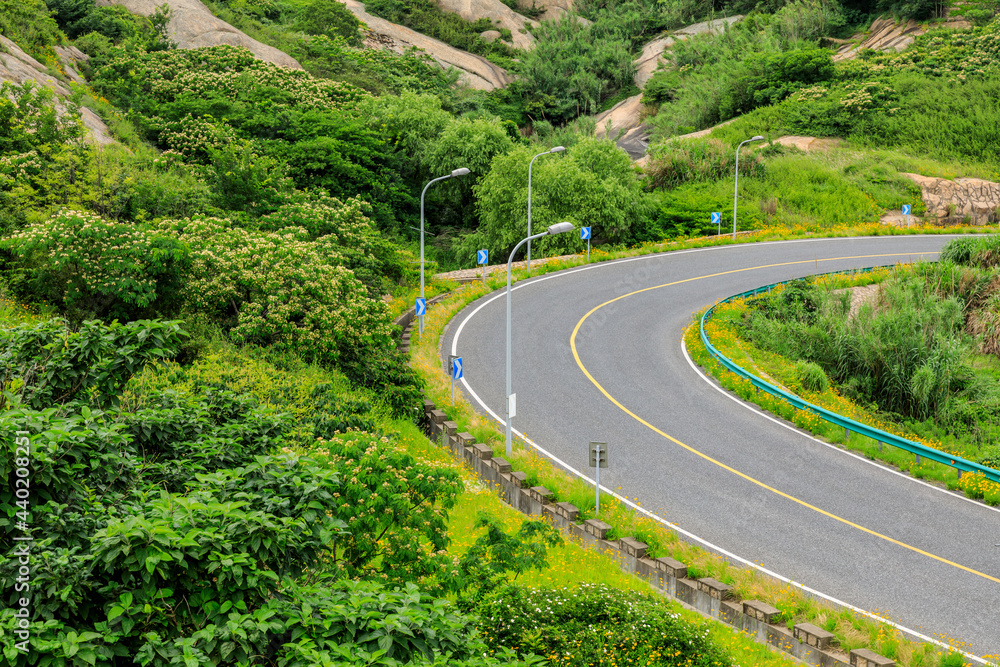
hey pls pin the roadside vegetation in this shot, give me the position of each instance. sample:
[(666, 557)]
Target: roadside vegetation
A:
[(915, 357), (226, 462)]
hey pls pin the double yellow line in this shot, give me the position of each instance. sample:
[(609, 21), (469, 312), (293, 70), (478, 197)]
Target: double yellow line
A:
[(576, 355)]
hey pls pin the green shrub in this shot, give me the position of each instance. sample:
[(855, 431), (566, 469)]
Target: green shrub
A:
[(279, 289), (91, 267), (28, 24), (94, 361), (991, 457), (769, 78), (244, 180), (175, 530), (571, 71), (594, 625), (678, 161), (811, 376), (982, 252), (317, 17)]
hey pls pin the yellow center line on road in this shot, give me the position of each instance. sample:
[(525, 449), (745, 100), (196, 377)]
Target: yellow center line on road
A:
[(708, 458)]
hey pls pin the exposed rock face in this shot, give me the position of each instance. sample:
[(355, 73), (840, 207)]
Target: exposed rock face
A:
[(971, 198), (192, 26), (649, 59), (476, 72), (807, 143), (553, 9), (626, 116), (71, 57), (18, 67), (622, 116), (490, 35), (887, 35), (626, 128), (498, 13)]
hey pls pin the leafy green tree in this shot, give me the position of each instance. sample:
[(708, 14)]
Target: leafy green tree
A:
[(278, 289), (593, 184), (244, 180), (496, 555), (395, 510), (346, 236), (571, 71), (471, 143), (410, 122)]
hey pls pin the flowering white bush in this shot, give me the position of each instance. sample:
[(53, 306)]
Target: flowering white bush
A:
[(279, 288), (345, 235), (100, 268)]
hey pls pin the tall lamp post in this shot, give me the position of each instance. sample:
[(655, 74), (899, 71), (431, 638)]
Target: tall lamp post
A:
[(458, 172), (558, 228), (737, 185), (557, 149)]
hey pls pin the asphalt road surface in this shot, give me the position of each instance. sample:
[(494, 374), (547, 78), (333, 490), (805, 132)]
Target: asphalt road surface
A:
[(688, 452)]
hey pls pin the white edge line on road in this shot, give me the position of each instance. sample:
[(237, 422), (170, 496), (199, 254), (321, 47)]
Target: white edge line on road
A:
[(780, 422), (659, 519)]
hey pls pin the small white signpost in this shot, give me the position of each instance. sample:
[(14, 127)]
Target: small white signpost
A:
[(598, 459)]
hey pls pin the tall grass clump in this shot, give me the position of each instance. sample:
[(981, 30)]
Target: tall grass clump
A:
[(919, 350)]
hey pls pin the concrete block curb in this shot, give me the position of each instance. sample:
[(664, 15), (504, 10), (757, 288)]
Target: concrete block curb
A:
[(713, 598)]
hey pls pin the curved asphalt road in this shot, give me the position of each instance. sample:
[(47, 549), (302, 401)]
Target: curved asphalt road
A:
[(923, 558)]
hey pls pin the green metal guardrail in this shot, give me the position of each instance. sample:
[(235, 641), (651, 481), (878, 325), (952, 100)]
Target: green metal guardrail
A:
[(957, 462)]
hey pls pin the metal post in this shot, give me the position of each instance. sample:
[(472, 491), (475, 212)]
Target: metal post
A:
[(457, 172), (510, 261), (736, 185), (420, 319), (555, 149), (588, 250), (598, 503)]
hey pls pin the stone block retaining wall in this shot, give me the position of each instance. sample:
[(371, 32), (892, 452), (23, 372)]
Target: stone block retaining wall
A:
[(712, 598)]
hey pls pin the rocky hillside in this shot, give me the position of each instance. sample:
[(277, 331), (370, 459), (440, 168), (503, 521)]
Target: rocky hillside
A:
[(19, 68), (192, 26)]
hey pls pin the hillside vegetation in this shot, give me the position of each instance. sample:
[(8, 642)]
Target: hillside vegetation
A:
[(197, 339)]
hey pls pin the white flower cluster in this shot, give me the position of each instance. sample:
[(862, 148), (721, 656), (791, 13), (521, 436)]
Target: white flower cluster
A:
[(279, 288)]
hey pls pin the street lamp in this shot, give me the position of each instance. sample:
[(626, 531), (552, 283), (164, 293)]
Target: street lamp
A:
[(458, 172), (558, 228), (736, 187), (557, 149)]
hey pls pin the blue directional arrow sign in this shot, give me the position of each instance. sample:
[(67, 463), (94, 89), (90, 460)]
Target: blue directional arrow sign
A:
[(421, 307), (456, 368), (584, 233), (716, 218), (906, 209), (482, 256)]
